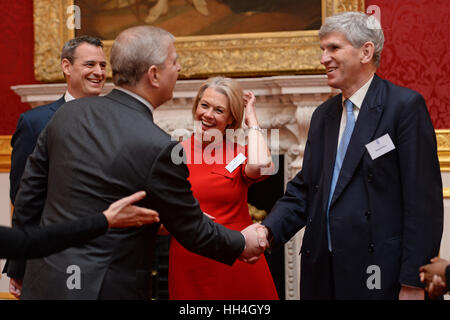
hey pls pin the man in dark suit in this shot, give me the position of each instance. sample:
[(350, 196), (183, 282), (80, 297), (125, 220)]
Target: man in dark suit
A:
[(98, 149), (370, 191), (83, 63)]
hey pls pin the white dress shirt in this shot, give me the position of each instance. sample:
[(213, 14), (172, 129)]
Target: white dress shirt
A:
[(138, 97), (68, 97), (357, 99)]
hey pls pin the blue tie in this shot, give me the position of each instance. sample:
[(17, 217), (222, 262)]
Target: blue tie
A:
[(342, 149)]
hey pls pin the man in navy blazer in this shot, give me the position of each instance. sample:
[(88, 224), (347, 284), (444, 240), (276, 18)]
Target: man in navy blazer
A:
[(368, 238), (83, 63)]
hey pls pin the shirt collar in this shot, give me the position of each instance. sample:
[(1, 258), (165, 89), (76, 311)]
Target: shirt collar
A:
[(358, 97), (68, 97), (136, 96)]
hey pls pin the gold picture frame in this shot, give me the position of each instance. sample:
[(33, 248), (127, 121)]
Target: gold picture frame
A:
[(250, 54)]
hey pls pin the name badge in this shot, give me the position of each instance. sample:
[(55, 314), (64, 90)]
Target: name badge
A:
[(380, 146), (240, 158)]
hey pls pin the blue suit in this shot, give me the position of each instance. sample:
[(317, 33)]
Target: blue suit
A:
[(385, 213), (23, 141), (29, 126)]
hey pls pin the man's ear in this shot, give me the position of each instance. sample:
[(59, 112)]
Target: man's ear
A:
[(65, 66), (367, 52), (153, 76)]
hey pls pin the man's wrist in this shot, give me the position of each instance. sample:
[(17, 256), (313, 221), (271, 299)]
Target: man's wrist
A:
[(269, 237)]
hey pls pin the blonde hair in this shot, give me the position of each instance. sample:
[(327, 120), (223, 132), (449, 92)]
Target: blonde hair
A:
[(232, 90)]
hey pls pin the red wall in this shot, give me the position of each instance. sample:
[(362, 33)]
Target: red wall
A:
[(16, 59), (416, 52), (415, 55)]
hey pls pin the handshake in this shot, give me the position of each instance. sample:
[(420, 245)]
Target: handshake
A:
[(433, 275), (256, 241)]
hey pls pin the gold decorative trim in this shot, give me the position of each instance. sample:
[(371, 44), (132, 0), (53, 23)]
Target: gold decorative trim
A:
[(7, 296), (5, 153), (443, 142), (50, 34), (446, 192), (250, 54)]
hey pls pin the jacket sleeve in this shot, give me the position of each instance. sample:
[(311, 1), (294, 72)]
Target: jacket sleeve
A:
[(30, 199), (42, 241), (23, 142), (422, 189), (181, 215), (289, 214)]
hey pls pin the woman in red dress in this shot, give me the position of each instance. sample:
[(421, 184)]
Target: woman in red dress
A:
[(220, 177)]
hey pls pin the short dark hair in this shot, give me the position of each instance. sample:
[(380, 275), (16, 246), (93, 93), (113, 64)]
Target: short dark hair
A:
[(68, 50)]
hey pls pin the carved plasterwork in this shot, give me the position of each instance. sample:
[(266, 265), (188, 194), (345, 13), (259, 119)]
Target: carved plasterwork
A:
[(294, 52)]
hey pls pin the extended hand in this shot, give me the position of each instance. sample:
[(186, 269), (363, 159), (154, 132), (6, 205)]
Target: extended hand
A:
[(433, 275), (15, 287), (255, 242), (436, 267), (436, 288), (122, 213)]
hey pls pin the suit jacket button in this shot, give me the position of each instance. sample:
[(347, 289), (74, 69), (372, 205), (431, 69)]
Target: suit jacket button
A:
[(308, 252), (369, 177), (310, 220), (371, 247), (368, 214), (316, 188)]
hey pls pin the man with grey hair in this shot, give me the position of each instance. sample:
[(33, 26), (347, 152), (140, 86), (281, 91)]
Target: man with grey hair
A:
[(370, 190), (106, 148), (83, 64)]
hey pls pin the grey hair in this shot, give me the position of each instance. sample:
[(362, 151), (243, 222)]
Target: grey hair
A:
[(358, 28), (135, 50), (68, 50)]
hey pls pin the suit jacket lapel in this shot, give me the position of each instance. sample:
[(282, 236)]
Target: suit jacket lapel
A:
[(55, 106), (332, 123), (365, 126)]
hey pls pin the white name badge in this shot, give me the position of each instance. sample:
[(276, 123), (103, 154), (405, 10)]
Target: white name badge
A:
[(240, 158), (380, 146)]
